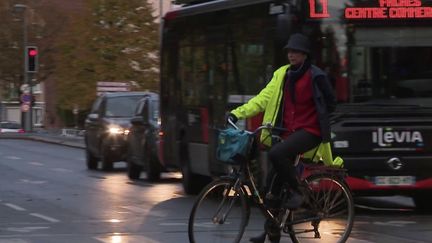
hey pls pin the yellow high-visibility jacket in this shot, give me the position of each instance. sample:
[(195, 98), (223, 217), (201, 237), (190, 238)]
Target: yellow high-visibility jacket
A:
[(269, 101)]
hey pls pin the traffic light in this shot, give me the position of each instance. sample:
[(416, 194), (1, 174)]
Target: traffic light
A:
[(31, 59)]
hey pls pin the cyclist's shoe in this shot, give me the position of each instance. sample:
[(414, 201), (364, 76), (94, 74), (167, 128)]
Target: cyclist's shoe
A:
[(258, 239), (294, 201), (274, 238), (273, 232)]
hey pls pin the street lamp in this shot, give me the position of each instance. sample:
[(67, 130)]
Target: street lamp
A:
[(27, 124)]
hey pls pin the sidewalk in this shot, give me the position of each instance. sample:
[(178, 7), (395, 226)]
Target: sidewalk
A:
[(48, 136)]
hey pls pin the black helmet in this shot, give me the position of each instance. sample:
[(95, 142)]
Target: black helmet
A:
[(298, 42)]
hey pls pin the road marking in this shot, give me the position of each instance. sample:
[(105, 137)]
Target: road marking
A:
[(384, 209), (61, 170), (173, 224), (135, 209), (395, 223), (32, 182), (157, 213), (14, 241), (25, 229), (16, 207), (12, 157), (36, 163), (52, 220), (208, 224), (125, 238)]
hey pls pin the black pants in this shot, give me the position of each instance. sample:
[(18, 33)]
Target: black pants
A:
[(282, 156)]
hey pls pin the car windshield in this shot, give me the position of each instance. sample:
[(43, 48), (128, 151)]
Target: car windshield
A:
[(121, 106), (10, 125)]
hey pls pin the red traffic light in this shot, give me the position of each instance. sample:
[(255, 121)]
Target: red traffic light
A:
[(32, 52), (31, 61)]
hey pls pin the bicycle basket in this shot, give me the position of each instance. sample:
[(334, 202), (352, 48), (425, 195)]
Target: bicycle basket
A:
[(233, 145)]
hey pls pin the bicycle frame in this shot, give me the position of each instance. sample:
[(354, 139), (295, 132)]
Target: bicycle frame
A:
[(244, 181), (244, 178)]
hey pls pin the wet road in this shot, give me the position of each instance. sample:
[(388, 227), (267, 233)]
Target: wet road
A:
[(48, 196)]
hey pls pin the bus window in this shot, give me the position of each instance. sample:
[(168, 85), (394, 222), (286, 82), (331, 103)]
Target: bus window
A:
[(383, 68)]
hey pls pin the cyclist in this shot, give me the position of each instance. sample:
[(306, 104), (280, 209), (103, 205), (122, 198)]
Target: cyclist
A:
[(298, 98)]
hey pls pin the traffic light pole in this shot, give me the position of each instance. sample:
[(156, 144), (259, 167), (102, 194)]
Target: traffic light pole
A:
[(25, 115), (28, 126), (29, 113)]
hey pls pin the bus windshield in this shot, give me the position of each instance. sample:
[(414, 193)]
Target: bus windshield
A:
[(218, 55), (373, 50), (389, 69)]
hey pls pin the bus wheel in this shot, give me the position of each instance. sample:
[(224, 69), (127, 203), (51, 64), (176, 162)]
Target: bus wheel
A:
[(422, 202), (192, 183)]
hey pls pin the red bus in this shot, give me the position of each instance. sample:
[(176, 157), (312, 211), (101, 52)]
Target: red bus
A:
[(378, 53)]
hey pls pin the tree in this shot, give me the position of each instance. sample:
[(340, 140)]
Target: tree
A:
[(113, 41), (11, 66), (43, 25)]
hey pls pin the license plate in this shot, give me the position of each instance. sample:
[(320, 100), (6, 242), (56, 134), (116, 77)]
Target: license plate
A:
[(395, 180)]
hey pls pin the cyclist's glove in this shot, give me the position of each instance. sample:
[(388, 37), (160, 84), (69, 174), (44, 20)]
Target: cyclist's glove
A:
[(231, 117)]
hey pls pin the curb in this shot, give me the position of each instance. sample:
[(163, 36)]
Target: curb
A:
[(70, 142)]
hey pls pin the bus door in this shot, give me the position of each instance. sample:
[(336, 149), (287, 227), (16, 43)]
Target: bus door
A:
[(217, 77), (193, 76)]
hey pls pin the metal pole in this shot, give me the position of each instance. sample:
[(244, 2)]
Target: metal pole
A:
[(160, 17), (160, 23), (27, 123), (160, 9), (30, 111), (28, 115)]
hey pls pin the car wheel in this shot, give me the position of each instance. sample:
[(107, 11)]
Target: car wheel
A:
[(92, 162), (422, 202), (107, 163), (133, 170), (153, 167)]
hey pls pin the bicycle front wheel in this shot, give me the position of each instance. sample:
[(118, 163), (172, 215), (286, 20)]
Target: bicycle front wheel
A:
[(327, 214), (219, 214)]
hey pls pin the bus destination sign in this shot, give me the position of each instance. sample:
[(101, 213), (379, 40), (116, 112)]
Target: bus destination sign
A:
[(384, 9)]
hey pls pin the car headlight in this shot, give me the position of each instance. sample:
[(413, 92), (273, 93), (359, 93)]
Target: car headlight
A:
[(114, 130)]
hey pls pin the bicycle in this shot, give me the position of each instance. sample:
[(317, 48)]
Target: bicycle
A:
[(222, 210)]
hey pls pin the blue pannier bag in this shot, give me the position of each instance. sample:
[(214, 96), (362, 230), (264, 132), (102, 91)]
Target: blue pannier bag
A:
[(233, 145)]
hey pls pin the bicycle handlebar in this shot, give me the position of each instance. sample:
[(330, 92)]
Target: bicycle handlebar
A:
[(268, 126), (233, 124)]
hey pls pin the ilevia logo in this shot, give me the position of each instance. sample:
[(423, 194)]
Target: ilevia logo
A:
[(386, 137)]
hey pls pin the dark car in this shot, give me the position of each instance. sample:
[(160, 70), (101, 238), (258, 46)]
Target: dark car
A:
[(10, 127), (107, 127), (144, 139)]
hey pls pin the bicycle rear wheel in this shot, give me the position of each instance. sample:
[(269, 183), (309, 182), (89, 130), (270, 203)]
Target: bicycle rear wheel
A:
[(328, 209), (220, 214)]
